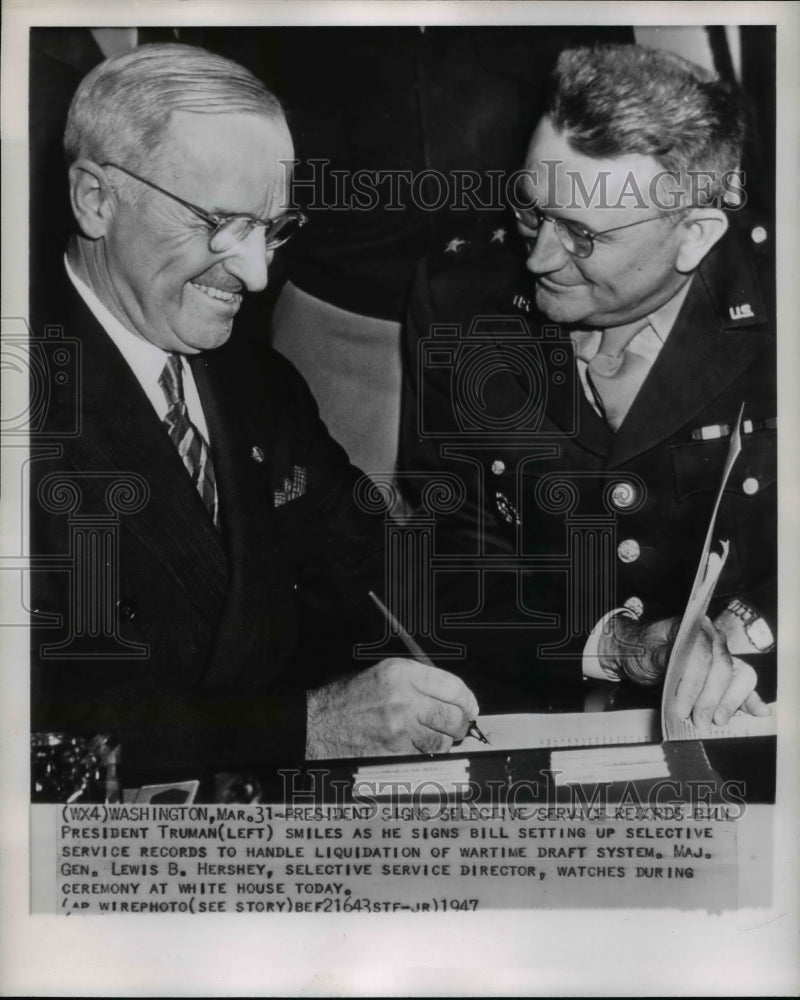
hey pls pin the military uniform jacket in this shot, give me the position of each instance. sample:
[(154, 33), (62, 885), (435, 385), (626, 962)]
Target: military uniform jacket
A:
[(582, 520), (194, 646)]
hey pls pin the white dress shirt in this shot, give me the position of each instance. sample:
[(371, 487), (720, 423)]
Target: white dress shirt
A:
[(646, 344), (145, 360)]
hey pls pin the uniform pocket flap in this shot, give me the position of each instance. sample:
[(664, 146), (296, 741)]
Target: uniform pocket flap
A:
[(697, 466)]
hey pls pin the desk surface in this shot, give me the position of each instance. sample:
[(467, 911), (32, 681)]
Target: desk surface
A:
[(747, 763), (717, 770)]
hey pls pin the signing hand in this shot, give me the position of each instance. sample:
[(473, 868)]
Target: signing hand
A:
[(396, 707)]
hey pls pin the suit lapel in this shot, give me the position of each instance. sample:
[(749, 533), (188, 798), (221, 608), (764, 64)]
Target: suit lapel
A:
[(121, 433), (237, 406)]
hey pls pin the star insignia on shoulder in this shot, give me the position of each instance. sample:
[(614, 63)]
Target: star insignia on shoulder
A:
[(455, 245), (498, 236)]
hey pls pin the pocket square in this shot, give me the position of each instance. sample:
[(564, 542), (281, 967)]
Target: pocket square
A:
[(292, 488)]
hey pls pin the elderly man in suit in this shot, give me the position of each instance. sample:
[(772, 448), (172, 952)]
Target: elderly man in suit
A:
[(200, 566), (585, 402)]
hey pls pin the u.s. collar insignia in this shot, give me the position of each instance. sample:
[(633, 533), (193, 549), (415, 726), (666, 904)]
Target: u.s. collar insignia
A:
[(744, 311), (292, 488), (507, 510)]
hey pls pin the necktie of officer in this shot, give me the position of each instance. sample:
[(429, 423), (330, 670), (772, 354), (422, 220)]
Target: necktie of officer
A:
[(616, 372), (192, 448)]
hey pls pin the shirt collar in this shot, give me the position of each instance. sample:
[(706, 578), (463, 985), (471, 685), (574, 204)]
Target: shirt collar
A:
[(652, 333), (145, 359), (663, 319)]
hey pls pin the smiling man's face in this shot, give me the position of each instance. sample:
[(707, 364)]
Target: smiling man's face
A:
[(630, 272), (157, 274)]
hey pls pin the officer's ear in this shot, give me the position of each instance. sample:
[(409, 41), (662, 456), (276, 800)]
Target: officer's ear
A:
[(91, 197), (700, 230)]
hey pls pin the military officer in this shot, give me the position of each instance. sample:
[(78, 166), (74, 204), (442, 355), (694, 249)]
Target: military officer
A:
[(585, 401)]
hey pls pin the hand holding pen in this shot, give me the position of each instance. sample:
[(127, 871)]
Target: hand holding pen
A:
[(418, 653)]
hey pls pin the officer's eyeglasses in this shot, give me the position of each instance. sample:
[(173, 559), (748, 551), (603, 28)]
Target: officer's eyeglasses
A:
[(228, 230), (575, 238)]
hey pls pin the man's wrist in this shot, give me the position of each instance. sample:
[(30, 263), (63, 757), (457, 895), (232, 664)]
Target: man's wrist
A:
[(638, 650), (746, 630), (595, 664)]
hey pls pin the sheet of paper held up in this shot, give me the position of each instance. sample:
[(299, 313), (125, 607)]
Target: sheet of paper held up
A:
[(673, 727)]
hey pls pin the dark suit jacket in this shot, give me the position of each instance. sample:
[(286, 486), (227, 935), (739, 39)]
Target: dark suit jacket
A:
[(496, 400), (149, 623)]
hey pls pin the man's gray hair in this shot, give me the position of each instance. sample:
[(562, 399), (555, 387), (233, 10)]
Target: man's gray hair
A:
[(617, 100), (121, 109)]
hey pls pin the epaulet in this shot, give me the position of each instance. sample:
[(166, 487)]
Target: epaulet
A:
[(738, 274), (756, 230)]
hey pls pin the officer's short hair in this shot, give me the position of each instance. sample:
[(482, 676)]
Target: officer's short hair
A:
[(615, 100), (121, 109)]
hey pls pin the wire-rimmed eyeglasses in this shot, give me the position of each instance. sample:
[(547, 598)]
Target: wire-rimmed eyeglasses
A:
[(228, 230), (575, 238)]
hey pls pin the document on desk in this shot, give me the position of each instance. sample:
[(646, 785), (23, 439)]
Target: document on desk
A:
[(610, 736), (562, 730), (545, 730)]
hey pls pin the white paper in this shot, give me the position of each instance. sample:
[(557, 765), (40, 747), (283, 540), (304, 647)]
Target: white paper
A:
[(534, 730), (608, 764)]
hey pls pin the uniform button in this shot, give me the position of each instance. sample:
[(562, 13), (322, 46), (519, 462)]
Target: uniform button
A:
[(623, 495), (628, 550), (635, 605), (498, 467), (126, 610), (750, 485), (257, 454), (758, 234)]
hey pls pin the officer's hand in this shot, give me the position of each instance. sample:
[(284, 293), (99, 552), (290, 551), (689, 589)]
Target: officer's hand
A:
[(714, 684), (396, 707)]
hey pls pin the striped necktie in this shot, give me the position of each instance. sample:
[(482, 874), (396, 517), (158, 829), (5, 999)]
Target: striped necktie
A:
[(192, 448)]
